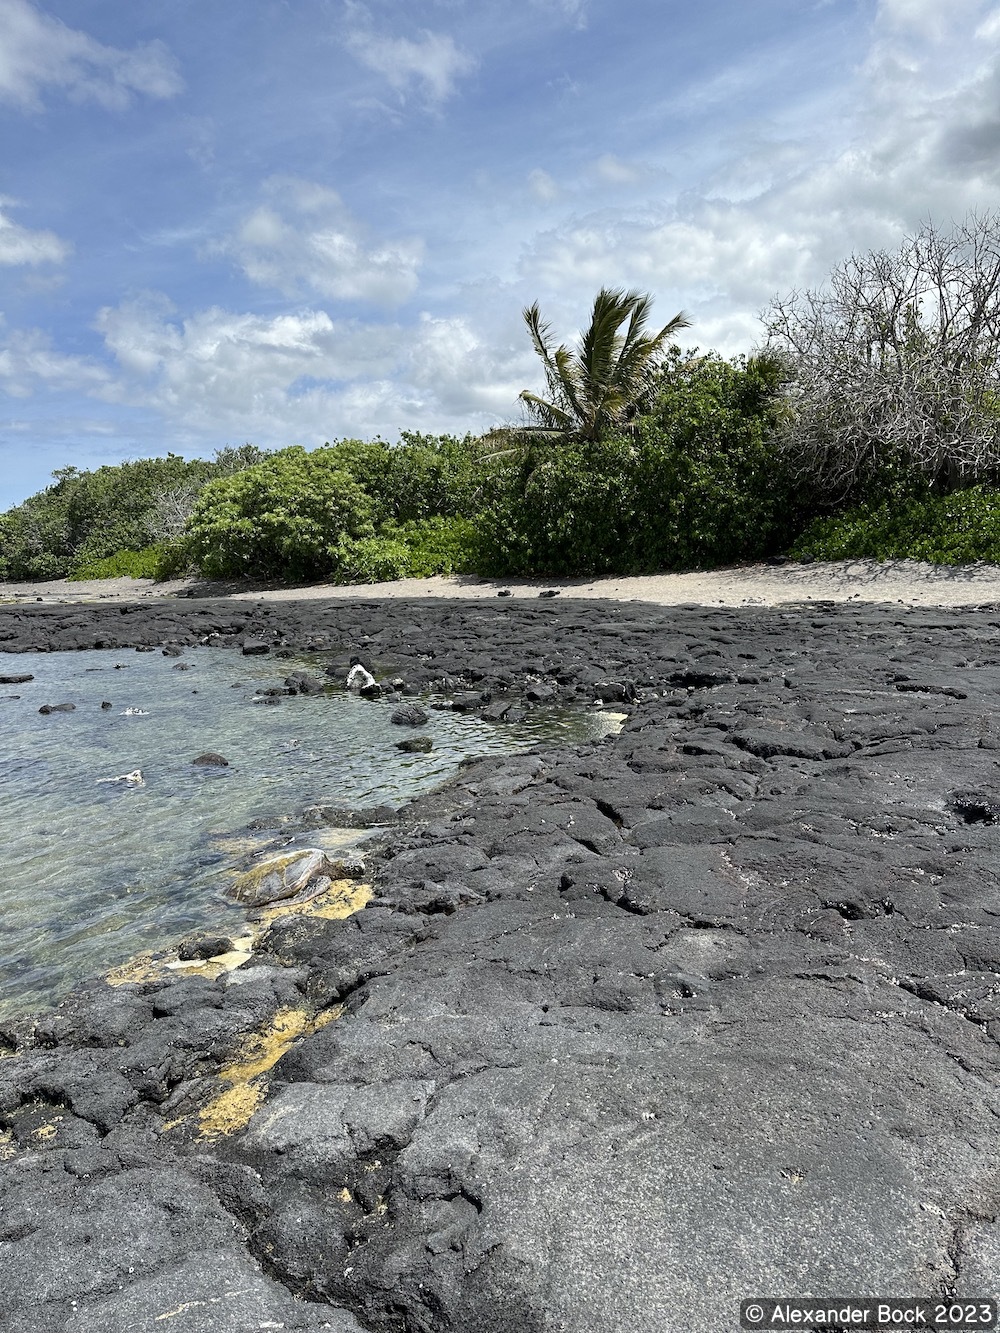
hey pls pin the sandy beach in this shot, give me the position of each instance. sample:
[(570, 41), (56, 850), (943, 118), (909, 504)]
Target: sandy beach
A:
[(906, 582)]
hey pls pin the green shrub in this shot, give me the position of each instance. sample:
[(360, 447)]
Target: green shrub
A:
[(698, 481), (408, 550), (284, 518), (439, 546), (144, 564), (372, 560), (951, 529), (424, 476)]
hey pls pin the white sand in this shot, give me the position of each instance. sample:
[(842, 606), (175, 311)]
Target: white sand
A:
[(895, 581)]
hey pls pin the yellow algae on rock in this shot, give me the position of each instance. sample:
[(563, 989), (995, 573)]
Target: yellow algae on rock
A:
[(232, 1109), (142, 967), (264, 1049), (341, 900), (7, 1149), (240, 953)]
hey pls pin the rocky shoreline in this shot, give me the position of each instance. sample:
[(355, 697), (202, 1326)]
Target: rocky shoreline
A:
[(626, 1032)]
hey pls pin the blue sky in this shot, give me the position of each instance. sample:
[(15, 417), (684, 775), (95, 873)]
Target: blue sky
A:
[(290, 221)]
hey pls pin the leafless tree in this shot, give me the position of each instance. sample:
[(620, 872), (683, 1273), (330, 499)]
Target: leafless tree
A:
[(896, 363)]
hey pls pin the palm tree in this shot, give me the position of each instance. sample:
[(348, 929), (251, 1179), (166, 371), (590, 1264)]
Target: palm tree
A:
[(598, 388)]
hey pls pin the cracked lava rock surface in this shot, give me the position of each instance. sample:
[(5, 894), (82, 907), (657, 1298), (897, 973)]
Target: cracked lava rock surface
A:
[(626, 1031)]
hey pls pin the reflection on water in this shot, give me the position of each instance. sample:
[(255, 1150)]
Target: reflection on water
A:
[(98, 867)]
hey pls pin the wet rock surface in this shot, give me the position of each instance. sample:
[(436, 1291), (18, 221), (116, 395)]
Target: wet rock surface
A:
[(628, 1031)]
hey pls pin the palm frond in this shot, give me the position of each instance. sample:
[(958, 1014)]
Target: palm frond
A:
[(596, 388)]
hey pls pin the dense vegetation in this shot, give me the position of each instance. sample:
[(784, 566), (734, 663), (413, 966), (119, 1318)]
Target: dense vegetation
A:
[(867, 425), (86, 518)]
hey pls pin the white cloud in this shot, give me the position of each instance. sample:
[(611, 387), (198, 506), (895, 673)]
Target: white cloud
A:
[(28, 361), (433, 62), (542, 186), (462, 374), (614, 171), (18, 245), (305, 241), (921, 140), (38, 53), (303, 377)]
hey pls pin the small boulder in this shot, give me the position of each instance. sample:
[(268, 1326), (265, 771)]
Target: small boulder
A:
[(541, 694), (255, 647), (549, 592), (172, 650), (301, 682), (196, 948), (211, 760), (57, 708), (107, 704), (410, 715), (415, 745), (15, 680)]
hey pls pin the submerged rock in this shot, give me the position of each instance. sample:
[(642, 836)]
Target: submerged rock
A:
[(57, 708), (416, 745), (211, 760)]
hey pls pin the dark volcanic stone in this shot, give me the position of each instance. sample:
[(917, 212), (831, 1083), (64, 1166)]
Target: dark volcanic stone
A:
[(203, 946), (211, 760), (255, 647), (15, 680), (627, 1031), (172, 650), (57, 708), (415, 745), (410, 715)]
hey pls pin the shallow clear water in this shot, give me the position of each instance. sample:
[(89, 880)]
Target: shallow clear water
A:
[(97, 870)]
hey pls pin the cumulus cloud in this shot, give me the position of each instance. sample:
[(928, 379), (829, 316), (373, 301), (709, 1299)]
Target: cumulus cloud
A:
[(302, 377), (920, 140), (19, 245), (28, 361), (303, 240), (39, 53), (432, 63)]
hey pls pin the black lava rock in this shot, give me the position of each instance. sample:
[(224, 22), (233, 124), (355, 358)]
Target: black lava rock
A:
[(410, 715), (415, 745), (203, 946)]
